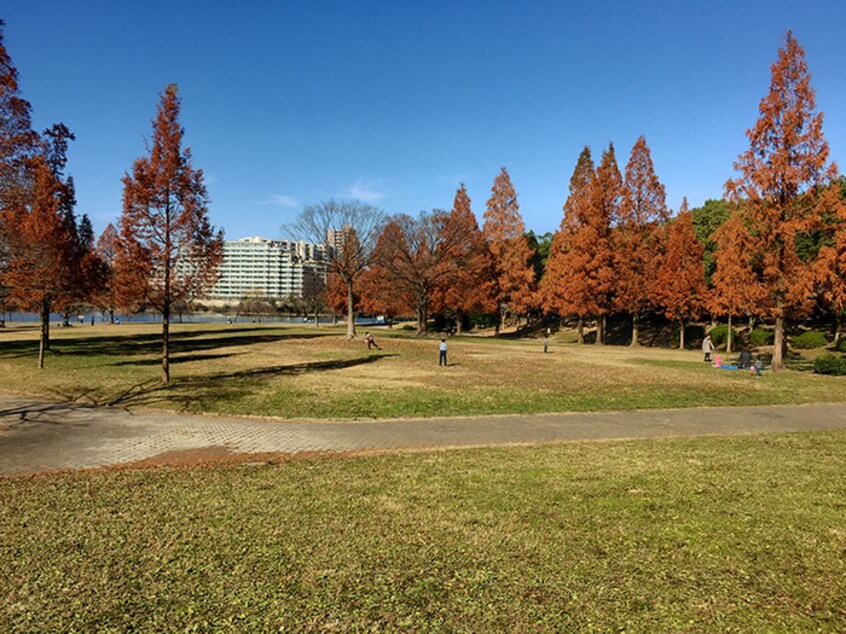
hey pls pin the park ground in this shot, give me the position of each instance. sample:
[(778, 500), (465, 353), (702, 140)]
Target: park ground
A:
[(306, 372), (740, 533)]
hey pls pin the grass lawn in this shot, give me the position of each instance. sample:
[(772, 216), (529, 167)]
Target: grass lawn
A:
[(303, 372), (710, 534)]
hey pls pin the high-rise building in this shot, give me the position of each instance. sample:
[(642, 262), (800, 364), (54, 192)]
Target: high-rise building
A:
[(265, 268)]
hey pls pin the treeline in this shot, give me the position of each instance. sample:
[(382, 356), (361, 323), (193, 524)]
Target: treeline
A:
[(774, 249)]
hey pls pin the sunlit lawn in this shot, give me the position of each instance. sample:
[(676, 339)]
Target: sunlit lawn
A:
[(741, 534), (304, 372)]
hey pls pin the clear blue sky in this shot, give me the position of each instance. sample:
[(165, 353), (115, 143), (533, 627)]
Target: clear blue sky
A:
[(396, 102)]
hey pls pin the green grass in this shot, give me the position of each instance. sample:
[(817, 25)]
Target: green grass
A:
[(303, 372), (713, 534)]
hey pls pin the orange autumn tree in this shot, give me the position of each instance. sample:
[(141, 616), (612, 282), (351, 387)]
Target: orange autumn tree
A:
[(780, 176), (638, 236), (605, 194), (736, 288), (466, 286), (830, 267), (39, 251), (337, 298), (169, 250), (19, 144), (514, 276), (108, 246), (679, 284), (575, 276)]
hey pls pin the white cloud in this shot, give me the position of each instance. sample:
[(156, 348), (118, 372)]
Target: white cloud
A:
[(365, 191), (281, 200)]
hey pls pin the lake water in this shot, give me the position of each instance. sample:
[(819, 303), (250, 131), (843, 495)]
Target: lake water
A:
[(199, 318)]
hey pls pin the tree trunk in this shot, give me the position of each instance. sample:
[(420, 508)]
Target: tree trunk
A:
[(581, 329), (165, 343), (600, 330), (635, 331), (316, 318), (458, 321), (45, 331), (111, 316), (334, 318), (681, 334), (728, 336), (350, 312), (778, 343)]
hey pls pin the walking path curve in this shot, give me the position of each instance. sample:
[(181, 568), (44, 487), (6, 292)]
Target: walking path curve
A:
[(40, 436)]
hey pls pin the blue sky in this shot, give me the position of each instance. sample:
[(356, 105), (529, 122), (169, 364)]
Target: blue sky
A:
[(397, 102)]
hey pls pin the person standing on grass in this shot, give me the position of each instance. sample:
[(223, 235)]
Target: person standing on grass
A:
[(759, 365), (707, 347), (442, 359), (546, 342)]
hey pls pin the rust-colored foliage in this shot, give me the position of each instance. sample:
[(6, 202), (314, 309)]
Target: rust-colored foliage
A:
[(39, 250), (780, 176), (336, 295), (679, 284), (638, 236), (605, 193), (107, 249), (830, 267), (18, 142), (466, 284), (514, 276), (412, 260), (567, 286), (736, 288), (169, 252)]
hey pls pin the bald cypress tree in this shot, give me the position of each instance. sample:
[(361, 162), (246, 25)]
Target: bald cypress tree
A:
[(780, 178)]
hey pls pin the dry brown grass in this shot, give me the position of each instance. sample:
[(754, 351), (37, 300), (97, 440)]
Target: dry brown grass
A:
[(298, 371)]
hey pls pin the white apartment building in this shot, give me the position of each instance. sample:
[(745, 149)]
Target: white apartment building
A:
[(265, 268)]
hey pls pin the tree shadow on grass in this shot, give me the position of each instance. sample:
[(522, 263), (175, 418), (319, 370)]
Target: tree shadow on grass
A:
[(176, 359), (150, 343), (219, 386)]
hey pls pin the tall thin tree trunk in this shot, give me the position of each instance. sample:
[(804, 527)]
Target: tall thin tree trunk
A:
[(600, 330), (316, 318), (458, 321), (581, 329), (165, 342), (350, 312), (111, 316), (681, 334), (778, 343), (635, 330), (45, 330), (728, 336)]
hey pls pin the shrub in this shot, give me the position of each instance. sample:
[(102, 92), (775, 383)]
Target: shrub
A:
[(719, 335), (841, 344), (809, 339), (408, 327), (829, 363), (761, 337)]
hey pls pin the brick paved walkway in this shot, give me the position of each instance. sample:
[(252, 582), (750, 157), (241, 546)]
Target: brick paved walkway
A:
[(39, 436)]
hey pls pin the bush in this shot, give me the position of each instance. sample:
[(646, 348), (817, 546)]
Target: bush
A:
[(408, 327), (809, 340), (840, 346), (719, 335), (761, 337), (830, 364)]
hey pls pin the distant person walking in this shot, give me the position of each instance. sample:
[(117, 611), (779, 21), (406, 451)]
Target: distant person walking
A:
[(707, 348), (371, 342), (442, 349), (759, 365), (546, 343)]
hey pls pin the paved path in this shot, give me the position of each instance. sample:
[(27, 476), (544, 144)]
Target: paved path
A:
[(39, 436)]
